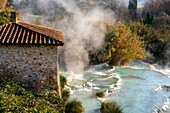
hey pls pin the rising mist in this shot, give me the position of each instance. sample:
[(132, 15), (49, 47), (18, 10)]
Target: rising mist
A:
[(83, 28)]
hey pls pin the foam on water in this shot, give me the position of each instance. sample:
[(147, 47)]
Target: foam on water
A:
[(165, 108), (98, 73), (111, 70), (136, 65), (138, 87), (164, 70)]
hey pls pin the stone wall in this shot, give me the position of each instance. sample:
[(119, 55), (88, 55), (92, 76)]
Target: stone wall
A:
[(32, 64)]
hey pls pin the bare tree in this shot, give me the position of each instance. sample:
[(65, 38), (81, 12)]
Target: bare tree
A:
[(156, 6), (119, 8), (160, 9)]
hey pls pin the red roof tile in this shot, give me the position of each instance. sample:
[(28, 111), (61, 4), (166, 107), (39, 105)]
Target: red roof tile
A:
[(24, 33)]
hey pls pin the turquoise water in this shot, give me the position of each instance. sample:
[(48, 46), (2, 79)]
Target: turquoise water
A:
[(137, 87)]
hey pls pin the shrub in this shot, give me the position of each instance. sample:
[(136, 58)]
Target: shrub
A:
[(51, 96), (121, 45), (65, 95), (14, 98), (110, 107), (4, 17), (155, 39), (63, 82), (100, 94), (149, 34), (74, 106), (148, 19)]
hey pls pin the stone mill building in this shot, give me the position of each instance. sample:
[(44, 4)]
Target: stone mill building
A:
[(30, 52)]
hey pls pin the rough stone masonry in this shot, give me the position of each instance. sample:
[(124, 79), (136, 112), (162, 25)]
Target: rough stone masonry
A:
[(35, 62)]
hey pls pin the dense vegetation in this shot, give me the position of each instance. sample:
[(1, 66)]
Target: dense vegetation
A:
[(155, 39), (159, 26), (14, 98)]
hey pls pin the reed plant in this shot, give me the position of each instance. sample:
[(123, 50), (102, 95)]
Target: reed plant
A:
[(74, 106), (110, 107)]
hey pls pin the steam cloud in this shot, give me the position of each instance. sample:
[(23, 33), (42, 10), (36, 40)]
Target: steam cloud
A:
[(83, 30)]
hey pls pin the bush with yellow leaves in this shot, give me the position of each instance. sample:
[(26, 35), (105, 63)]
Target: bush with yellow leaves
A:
[(121, 45)]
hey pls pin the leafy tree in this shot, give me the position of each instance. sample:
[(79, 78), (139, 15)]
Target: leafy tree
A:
[(155, 39), (121, 45)]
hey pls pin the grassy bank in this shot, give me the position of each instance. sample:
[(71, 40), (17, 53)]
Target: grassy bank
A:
[(14, 98)]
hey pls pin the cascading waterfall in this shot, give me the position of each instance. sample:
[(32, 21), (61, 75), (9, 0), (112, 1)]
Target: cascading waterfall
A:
[(138, 87)]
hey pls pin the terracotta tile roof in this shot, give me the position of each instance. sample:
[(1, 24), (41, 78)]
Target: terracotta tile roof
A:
[(23, 33)]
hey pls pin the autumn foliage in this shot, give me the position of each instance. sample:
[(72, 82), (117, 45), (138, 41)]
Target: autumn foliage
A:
[(121, 45), (155, 39), (4, 17)]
